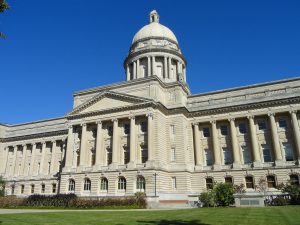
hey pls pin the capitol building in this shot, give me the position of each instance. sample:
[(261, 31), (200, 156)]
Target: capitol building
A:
[(150, 134)]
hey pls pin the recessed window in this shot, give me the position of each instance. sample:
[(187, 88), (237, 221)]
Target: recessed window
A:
[(249, 182), (205, 131), (242, 128), (294, 179), (126, 128), (288, 151), (53, 188), (208, 157), (246, 154), (144, 153), (282, 123), (172, 132), (228, 180), (227, 156), (110, 130), (22, 188), (262, 125), (174, 183), (271, 181), (43, 186), (173, 155), (140, 183), (266, 153), (104, 184), (144, 126), (126, 155), (32, 189), (209, 183), (71, 185), (122, 183), (87, 184), (224, 130)]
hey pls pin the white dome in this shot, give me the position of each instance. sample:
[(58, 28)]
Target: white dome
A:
[(154, 29)]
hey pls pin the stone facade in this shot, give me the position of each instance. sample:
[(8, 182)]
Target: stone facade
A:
[(149, 133)]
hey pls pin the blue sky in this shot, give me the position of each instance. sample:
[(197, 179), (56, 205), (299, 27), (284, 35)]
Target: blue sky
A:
[(54, 48)]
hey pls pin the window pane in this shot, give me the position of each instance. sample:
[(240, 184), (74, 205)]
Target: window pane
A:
[(246, 154), (242, 128), (224, 129), (266, 153), (206, 132), (262, 125), (227, 156), (288, 150), (249, 182), (282, 123), (209, 183), (208, 157)]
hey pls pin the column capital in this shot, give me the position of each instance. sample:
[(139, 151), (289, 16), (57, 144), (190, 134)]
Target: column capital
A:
[(270, 114), (293, 111), (195, 123), (231, 119), (83, 124), (114, 120), (250, 116), (132, 117), (70, 126), (99, 122), (213, 121), (149, 114)]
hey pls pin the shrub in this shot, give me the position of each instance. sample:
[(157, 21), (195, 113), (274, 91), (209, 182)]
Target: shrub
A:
[(207, 198), (11, 201), (140, 198), (224, 194), (60, 200), (2, 187), (293, 191)]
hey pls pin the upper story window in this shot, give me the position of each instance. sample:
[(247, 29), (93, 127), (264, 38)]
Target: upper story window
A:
[(282, 123), (205, 131), (144, 126), (224, 130), (173, 155), (172, 132), (242, 128), (110, 130), (126, 128), (262, 125)]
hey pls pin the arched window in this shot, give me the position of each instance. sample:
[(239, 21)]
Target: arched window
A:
[(209, 183), (294, 179), (87, 184), (140, 183), (228, 180), (104, 184), (122, 183), (249, 182), (71, 185), (271, 181)]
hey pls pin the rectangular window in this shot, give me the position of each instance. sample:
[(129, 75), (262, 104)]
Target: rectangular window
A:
[(43, 188), (126, 129), (144, 154), (110, 130), (126, 155), (174, 184), (144, 127), (227, 156), (32, 189), (266, 153), (288, 152), (208, 157), (109, 155), (173, 155), (282, 123), (242, 128), (205, 131), (262, 125), (246, 154), (224, 130), (53, 188), (22, 188), (172, 132)]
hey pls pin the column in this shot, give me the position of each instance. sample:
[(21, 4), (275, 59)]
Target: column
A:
[(132, 140), (138, 68), (115, 148), (165, 68), (5, 154), (275, 138), (53, 157), (150, 137), (170, 65), (254, 142), (295, 125), (153, 65), (99, 153), (15, 160), (235, 147), (149, 66), (32, 160), (216, 145), (127, 72), (198, 150), (23, 160), (70, 148), (134, 70), (43, 158), (83, 145)]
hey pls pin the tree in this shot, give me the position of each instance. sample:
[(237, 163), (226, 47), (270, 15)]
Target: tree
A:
[(3, 6), (2, 187)]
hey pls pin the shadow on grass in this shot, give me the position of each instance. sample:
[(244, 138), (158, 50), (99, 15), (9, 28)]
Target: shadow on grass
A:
[(172, 222)]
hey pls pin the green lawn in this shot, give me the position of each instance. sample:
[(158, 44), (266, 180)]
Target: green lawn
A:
[(289, 215)]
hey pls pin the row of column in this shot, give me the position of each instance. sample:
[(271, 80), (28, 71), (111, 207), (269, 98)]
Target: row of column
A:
[(100, 149), (20, 169), (151, 67), (253, 137)]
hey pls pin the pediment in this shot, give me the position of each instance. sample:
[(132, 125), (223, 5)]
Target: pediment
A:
[(108, 100)]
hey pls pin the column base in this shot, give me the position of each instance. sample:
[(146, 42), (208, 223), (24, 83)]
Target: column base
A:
[(150, 164), (236, 165), (66, 169), (131, 165), (217, 167), (257, 164), (198, 167), (279, 163), (113, 166)]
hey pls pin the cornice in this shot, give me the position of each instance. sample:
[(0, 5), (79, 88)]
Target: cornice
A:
[(33, 136)]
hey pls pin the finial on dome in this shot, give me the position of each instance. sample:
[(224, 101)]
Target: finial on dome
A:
[(154, 17)]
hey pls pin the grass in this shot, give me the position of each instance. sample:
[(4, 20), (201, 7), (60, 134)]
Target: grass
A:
[(288, 215)]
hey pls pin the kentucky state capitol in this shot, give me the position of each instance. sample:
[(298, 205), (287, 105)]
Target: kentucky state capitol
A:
[(150, 134)]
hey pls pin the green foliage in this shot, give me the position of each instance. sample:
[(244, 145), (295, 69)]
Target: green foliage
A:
[(220, 195), (3, 6), (293, 191), (61, 200), (2, 187), (239, 189)]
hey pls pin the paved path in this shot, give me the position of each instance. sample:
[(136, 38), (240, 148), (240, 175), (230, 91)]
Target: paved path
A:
[(13, 211)]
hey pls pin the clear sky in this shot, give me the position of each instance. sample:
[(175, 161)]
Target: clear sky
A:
[(54, 48)]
